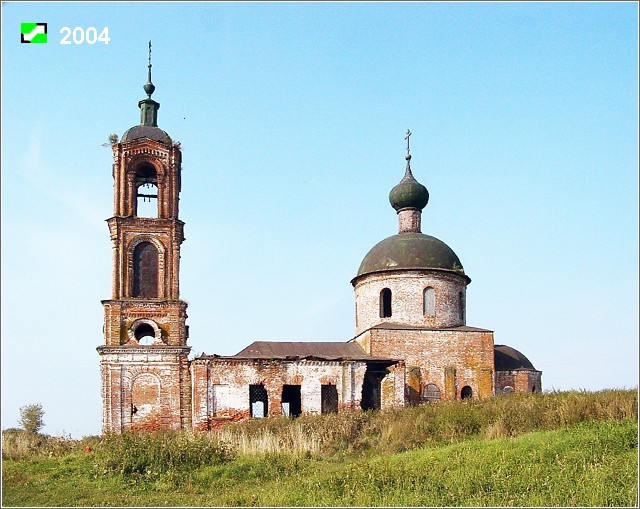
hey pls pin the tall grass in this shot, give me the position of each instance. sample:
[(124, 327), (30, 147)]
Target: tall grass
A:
[(399, 430), (19, 444), (387, 431), (580, 448), (142, 453), (587, 464), (292, 440)]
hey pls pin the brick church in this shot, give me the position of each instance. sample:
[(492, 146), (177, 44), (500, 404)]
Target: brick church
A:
[(412, 344)]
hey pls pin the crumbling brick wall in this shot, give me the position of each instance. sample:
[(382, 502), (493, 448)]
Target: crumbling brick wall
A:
[(465, 352), (520, 380), (221, 386)]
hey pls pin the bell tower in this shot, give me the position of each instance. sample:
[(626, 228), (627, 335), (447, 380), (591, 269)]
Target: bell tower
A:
[(144, 360)]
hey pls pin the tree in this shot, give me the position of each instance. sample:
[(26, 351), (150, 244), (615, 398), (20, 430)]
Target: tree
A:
[(31, 418)]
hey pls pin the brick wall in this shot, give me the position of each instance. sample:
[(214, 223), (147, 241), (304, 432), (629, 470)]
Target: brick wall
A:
[(521, 380), (407, 289), (428, 354), (122, 315), (221, 386), (145, 388)]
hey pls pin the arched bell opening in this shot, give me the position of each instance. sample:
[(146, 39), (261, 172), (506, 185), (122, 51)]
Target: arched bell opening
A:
[(146, 182)]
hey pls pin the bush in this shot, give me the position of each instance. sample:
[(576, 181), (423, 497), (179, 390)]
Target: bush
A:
[(31, 418), (146, 453)]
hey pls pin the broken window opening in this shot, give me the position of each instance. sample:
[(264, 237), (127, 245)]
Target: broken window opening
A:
[(385, 303), (329, 399), (431, 393), (145, 271), (466, 392), (146, 192), (291, 400), (258, 401), (145, 334), (429, 301)]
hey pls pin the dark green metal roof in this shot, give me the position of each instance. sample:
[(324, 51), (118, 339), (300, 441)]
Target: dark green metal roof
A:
[(507, 358), (409, 194), (410, 251), (145, 131)]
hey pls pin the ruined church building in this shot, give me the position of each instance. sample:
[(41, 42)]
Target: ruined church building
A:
[(412, 344)]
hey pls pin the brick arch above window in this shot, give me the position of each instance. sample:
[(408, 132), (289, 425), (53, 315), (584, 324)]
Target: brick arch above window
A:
[(144, 326), (134, 372), (139, 161)]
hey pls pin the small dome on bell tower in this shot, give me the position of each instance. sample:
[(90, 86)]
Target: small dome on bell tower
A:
[(148, 127)]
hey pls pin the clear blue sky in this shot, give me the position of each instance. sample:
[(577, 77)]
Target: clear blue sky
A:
[(292, 119)]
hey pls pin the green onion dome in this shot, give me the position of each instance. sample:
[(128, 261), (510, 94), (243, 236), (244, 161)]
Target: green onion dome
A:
[(409, 193)]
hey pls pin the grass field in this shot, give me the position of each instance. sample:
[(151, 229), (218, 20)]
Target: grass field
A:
[(582, 450)]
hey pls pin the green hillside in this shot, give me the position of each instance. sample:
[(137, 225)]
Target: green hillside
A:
[(558, 449)]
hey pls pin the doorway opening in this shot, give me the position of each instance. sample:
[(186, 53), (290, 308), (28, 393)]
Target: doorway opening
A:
[(371, 390), (291, 400)]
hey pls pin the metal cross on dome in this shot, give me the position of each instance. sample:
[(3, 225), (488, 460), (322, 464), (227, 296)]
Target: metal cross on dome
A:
[(407, 138)]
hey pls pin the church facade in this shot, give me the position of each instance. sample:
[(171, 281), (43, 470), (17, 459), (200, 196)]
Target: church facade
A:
[(412, 343)]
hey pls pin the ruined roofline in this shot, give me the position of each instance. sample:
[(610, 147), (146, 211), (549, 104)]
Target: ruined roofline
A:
[(286, 350), (294, 358), (400, 326)]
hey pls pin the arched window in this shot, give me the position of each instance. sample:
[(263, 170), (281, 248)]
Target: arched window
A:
[(145, 271), (385, 303), (146, 191), (466, 392), (461, 306), (429, 301), (508, 389), (431, 393)]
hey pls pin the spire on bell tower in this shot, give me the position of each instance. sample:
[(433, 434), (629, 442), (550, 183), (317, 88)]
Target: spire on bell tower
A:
[(148, 107)]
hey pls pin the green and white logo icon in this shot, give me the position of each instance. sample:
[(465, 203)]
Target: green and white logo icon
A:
[(34, 33)]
